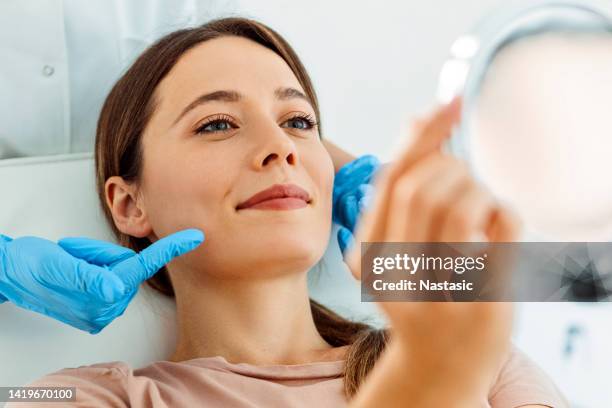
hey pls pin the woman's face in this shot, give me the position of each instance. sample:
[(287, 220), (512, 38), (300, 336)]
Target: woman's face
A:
[(231, 120)]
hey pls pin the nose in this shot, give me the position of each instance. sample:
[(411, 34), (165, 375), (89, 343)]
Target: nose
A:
[(288, 156), (274, 146)]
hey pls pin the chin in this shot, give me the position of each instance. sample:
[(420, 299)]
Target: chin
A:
[(297, 249)]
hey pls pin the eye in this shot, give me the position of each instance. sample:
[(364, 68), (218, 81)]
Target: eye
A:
[(300, 121), (217, 124)]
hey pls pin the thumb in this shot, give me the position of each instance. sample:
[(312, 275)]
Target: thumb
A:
[(137, 269), (94, 251)]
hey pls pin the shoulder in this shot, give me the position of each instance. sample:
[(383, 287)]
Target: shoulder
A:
[(521, 381), (103, 384), (112, 371)]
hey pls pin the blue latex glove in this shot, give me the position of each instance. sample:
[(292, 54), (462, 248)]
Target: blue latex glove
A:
[(352, 194), (82, 282)]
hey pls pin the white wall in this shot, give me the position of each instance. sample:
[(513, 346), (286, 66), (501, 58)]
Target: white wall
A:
[(374, 64)]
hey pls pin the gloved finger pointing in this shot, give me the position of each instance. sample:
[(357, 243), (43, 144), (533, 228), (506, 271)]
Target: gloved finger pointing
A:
[(136, 270)]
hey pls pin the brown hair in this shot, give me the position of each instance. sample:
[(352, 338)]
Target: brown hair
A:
[(118, 152)]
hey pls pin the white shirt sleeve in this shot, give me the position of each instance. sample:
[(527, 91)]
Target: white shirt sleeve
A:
[(60, 58), (33, 74)]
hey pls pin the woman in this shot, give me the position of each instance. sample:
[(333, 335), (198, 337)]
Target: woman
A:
[(208, 129)]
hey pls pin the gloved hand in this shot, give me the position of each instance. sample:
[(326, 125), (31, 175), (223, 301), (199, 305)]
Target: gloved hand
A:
[(83, 282), (352, 194)]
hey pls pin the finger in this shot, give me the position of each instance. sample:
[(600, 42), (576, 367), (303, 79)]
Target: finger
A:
[(470, 216), (348, 211), (400, 219), (345, 239), (366, 195), (95, 251), (136, 270), (4, 238), (98, 281), (504, 227), (420, 196), (450, 189), (429, 136), (369, 162)]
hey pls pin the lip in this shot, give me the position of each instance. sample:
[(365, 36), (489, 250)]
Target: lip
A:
[(278, 196)]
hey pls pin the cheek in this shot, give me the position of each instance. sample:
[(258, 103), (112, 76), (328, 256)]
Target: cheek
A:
[(320, 167), (183, 191)]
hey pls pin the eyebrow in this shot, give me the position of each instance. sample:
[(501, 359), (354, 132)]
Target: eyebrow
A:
[(282, 94)]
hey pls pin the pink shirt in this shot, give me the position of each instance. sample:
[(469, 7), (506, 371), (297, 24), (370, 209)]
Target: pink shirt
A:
[(214, 382)]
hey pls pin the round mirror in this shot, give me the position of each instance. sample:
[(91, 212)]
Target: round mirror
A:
[(537, 125)]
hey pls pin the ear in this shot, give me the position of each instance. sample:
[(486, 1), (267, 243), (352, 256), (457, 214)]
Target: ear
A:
[(126, 207)]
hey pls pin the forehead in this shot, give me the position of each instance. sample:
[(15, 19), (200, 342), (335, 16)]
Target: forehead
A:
[(226, 63)]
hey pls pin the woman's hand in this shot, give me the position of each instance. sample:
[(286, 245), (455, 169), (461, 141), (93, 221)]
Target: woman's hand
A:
[(440, 354), (82, 282)]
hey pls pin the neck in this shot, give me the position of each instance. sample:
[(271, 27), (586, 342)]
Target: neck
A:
[(260, 322)]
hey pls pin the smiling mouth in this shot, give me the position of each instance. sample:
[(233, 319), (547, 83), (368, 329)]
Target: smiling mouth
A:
[(283, 203), (278, 197)]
